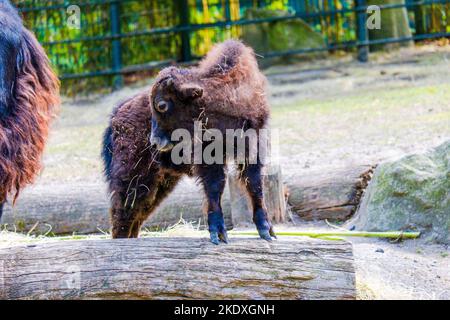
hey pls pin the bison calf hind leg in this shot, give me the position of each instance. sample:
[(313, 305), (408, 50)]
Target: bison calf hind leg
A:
[(128, 217)]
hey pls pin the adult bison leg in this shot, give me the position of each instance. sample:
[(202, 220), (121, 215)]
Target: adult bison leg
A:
[(213, 180), (251, 177)]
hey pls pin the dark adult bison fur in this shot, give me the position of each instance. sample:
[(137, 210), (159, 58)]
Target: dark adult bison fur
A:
[(226, 91), (28, 102)]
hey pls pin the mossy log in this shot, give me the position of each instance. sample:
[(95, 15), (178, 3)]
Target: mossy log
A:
[(178, 268)]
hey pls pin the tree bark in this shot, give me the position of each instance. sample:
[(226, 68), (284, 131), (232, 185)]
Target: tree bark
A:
[(332, 194), (178, 268)]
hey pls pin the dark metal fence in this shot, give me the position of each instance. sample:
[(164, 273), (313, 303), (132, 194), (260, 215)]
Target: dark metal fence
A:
[(126, 36)]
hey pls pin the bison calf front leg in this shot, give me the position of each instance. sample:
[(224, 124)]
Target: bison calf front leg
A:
[(251, 176), (213, 180)]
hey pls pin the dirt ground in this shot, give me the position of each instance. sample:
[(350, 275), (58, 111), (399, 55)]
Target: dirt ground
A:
[(328, 113)]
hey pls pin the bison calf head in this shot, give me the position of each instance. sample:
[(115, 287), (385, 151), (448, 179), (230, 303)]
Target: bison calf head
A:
[(174, 106)]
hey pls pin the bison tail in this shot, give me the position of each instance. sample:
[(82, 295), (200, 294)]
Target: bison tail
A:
[(2, 204), (107, 149)]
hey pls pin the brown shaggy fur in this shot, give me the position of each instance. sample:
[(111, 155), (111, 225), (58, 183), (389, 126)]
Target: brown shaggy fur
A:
[(24, 130), (136, 180), (232, 84), (226, 91)]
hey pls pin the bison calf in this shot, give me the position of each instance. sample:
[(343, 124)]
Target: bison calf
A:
[(225, 92)]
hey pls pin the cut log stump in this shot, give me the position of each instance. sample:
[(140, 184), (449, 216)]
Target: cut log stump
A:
[(178, 268), (274, 197)]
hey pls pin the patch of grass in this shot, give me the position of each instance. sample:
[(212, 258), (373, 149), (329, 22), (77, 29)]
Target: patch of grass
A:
[(380, 118), (373, 100), (364, 292)]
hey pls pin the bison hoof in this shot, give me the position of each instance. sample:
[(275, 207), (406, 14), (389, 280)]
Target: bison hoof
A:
[(267, 234), (263, 225), (217, 237), (217, 229), (214, 237), (223, 236)]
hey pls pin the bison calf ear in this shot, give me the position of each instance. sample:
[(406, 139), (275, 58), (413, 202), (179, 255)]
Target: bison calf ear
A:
[(190, 92)]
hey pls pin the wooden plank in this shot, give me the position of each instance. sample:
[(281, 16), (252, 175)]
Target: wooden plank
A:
[(179, 268)]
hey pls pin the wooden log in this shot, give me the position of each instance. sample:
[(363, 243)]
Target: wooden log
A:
[(178, 268), (274, 198), (332, 194), (84, 208)]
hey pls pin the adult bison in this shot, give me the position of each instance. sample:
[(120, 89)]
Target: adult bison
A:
[(28, 102)]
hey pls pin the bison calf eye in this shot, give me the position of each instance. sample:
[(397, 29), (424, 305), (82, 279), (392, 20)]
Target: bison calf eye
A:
[(162, 106)]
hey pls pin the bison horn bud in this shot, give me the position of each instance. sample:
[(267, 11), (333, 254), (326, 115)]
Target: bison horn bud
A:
[(169, 83), (162, 106)]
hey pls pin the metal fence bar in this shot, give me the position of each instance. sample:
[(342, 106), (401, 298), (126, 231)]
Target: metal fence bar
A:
[(197, 27), (116, 45), (340, 46), (64, 6), (184, 29), (354, 44), (361, 32)]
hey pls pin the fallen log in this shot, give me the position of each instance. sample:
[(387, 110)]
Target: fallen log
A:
[(82, 208), (178, 268), (332, 194)]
